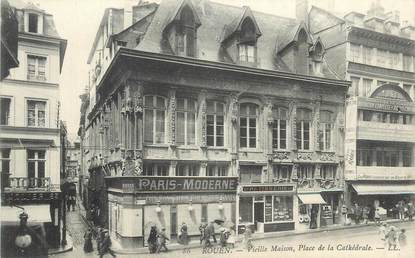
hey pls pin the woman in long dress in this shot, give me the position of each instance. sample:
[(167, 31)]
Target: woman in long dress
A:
[(88, 241)]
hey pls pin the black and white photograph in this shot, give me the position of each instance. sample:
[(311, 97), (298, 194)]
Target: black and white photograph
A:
[(207, 128)]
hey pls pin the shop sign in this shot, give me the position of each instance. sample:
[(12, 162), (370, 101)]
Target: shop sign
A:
[(383, 106), (268, 188), (187, 184)]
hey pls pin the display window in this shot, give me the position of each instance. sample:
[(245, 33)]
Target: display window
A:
[(276, 208)]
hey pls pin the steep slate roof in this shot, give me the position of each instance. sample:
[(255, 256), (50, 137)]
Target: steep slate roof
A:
[(214, 17), (236, 24)]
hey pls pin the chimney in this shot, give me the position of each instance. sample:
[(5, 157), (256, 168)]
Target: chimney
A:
[(301, 11), (128, 14)]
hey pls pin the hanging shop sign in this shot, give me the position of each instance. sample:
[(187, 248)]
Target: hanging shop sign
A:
[(267, 188)]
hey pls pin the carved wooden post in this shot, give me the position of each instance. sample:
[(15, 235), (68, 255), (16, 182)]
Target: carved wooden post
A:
[(172, 115), (316, 123), (202, 115), (234, 112), (293, 117)]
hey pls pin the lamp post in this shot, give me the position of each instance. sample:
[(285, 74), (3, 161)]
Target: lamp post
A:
[(23, 239)]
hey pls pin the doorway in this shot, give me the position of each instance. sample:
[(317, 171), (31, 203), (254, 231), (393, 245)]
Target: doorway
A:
[(259, 212)]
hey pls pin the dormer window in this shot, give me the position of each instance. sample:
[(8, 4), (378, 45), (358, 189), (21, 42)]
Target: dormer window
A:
[(186, 33), (317, 54), (33, 22), (247, 42)]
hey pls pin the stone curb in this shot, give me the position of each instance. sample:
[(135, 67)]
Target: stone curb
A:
[(66, 248)]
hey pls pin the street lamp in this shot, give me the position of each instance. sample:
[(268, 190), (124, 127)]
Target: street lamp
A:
[(23, 239)]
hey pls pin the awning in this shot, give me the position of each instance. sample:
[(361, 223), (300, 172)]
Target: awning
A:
[(314, 198), (378, 189), (37, 213)]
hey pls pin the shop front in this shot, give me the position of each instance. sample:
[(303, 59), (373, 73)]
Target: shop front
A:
[(167, 202), (384, 196), (267, 208)]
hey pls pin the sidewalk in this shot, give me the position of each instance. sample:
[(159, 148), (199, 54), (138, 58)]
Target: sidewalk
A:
[(256, 236)]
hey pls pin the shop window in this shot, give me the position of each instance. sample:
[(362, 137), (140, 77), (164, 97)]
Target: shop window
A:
[(325, 130), (36, 68), (217, 170), (279, 129), (367, 115), (406, 119), (186, 122), (394, 118), (282, 173), (248, 125), (186, 33), (187, 170), (215, 123), (328, 172), (36, 161), (250, 174), (155, 169), (303, 129), (36, 113), (305, 172), (155, 119), (283, 208), (4, 111), (33, 22), (245, 209)]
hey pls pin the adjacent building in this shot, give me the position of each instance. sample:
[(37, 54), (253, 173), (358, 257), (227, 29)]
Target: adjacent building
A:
[(200, 111), (29, 138), (375, 51)]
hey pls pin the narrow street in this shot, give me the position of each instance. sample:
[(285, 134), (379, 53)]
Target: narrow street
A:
[(292, 246)]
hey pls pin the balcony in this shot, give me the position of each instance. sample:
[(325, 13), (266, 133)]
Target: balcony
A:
[(385, 173), (385, 132), (22, 184)]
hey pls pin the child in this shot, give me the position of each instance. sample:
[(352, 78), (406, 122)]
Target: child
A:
[(402, 239)]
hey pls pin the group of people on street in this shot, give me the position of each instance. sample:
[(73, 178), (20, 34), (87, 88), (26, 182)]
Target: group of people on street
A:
[(207, 233), (362, 214), (393, 238), (70, 202), (103, 242), (157, 240)]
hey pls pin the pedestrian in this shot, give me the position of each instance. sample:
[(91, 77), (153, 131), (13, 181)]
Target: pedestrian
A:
[(231, 237), (202, 229), (152, 240), (105, 245), (366, 211), (402, 239), (223, 237), (344, 214), (68, 203), (377, 216), (162, 240), (88, 241), (210, 231), (73, 202), (100, 237), (248, 238), (383, 230), (401, 210), (411, 211), (357, 213), (183, 235), (392, 238)]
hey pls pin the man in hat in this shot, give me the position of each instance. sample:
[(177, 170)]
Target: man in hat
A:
[(105, 245), (411, 211), (162, 239), (210, 231)]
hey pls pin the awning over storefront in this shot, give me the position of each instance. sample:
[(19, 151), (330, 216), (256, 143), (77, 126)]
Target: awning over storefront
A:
[(312, 198), (377, 189), (37, 213)]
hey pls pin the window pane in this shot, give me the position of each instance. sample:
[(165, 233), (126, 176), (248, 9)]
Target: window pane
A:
[(41, 154), (148, 101), (31, 169), (4, 111), (283, 134), (219, 141), (220, 108), (180, 123), (210, 107), (41, 169), (30, 154), (160, 121), (41, 118), (160, 103), (148, 125), (191, 128)]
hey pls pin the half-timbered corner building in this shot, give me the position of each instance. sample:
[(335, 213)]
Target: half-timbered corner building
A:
[(201, 111)]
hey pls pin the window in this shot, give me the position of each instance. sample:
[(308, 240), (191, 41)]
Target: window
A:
[(364, 157), (155, 169), (246, 53), (382, 56), (187, 170), (245, 209), (33, 22), (36, 113), (355, 85), (303, 129), (36, 161), (305, 172), (279, 128), (394, 118), (367, 55), (36, 68), (5, 166), (324, 134), (215, 123), (354, 53), (248, 125), (186, 33), (328, 172), (155, 119), (407, 63), (283, 208), (4, 111), (406, 158), (367, 87), (217, 170), (282, 173), (185, 122), (250, 174)]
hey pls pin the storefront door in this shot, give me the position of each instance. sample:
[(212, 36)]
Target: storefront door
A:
[(259, 212)]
